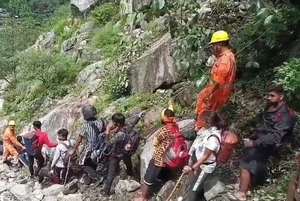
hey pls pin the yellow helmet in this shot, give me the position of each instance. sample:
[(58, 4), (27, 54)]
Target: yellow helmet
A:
[(219, 36), (11, 123)]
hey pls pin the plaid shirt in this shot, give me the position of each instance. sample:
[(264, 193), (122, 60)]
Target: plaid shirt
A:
[(165, 138)]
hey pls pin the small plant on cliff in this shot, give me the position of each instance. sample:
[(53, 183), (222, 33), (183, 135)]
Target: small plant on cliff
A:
[(116, 84), (109, 40), (105, 13)]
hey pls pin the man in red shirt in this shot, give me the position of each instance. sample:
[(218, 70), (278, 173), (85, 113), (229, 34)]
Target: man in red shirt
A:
[(34, 145)]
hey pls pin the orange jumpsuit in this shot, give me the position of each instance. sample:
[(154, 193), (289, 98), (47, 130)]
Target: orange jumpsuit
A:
[(223, 73), (9, 142)]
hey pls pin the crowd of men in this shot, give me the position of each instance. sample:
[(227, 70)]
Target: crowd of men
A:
[(115, 141)]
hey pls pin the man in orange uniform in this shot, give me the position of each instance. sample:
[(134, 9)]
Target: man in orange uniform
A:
[(219, 90), (10, 141)]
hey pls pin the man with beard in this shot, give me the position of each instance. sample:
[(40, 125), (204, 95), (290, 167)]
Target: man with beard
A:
[(276, 127), (219, 90)]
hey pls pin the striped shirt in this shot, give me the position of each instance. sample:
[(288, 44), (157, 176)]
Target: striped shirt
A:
[(165, 138), (90, 134)]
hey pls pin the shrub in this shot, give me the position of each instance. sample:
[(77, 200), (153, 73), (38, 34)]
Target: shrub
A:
[(42, 75), (108, 39), (116, 84), (105, 13)]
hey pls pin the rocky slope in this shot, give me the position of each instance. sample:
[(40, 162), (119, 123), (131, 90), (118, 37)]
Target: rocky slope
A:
[(148, 67)]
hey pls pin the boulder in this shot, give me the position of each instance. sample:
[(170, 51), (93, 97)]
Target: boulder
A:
[(8, 196), (68, 45), (20, 190), (93, 75), (187, 93), (71, 197), (53, 190), (46, 41), (186, 128), (165, 191), (83, 5), (155, 68), (66, 115), (213, 187), (124, 186), (153, 115)]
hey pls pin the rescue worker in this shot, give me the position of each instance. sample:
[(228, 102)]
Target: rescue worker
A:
[(276, 127), (219, 90), (10, 142)]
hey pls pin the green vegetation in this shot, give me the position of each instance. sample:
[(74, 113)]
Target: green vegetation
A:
[(265, 37), (105, 13), (43, 76), (108, 39)]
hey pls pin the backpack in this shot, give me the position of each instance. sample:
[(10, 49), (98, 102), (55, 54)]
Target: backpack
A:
[(177, 154), (67, 157), (100, 139), (228, 143), (132, 141), (31, 144)]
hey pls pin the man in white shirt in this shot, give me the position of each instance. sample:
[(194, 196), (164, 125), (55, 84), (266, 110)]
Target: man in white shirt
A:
[(61, 156)]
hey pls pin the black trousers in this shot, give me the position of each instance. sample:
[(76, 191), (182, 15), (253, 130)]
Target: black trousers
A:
[(89, 162), (40, 161), (113, 166)]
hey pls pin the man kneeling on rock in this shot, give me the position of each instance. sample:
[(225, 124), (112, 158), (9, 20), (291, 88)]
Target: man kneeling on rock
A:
[(276, 127), (162, 141)]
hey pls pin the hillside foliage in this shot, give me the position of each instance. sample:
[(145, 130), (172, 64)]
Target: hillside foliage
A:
[(265, 36)]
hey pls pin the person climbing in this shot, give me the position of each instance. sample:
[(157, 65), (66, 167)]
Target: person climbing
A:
[(10, 142), (203, 156), (276, 128), (92, 130), (34, 143), (219, 90), (60, 162), (162, 141), (118, 146), (23, 161)]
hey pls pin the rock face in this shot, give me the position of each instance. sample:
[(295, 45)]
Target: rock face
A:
[(84, 5), (187, 93), (65, 115), (92, 75), (186, 127), (213, 187), (165, 191), (154, 68), (45, 41), (124, 186)]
